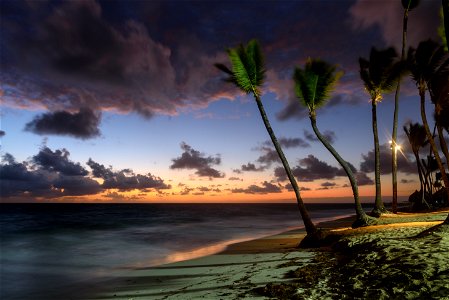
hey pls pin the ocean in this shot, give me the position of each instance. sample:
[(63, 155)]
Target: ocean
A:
[(51, 249)]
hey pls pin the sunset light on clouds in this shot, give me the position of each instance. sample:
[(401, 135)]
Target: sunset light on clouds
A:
[(105, 101)]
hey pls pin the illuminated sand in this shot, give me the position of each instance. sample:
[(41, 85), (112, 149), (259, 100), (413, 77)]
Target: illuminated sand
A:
[(383, 255)]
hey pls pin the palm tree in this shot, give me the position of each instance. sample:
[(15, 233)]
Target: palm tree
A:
[(445, 6), (417, 137), (425, 65), (248, 74), (439, 95), (380, 75), (408, 6), (313, 86)]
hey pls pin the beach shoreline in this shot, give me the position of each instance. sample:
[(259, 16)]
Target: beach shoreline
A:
[(244, 270)]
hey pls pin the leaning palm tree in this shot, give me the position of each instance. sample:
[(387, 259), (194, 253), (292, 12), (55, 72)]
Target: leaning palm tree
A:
[(439, 95), (313, 86), (426, 63), (408, 5), (379, 74), (248, 74), (417, 137)]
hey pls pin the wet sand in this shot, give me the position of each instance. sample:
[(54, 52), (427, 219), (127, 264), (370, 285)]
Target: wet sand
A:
[(380, 262)]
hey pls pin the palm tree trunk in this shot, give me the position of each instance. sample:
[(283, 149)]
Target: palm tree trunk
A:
[(362, 218), (379, 207), (443, 144), (433, 146), (445, 4), (394, 157), (310, 227), (421, 179)]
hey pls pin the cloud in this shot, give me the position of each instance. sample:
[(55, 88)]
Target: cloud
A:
[(58, 161), (288, 143), (405, 162), (266, 188), (289, 187), (51, 174), (407, 180), (125, 180), (249, 167), (327, 185), (422, 21), (51, 177), (310, 169), (77, 56), (363, 179), (329, 135), (2, 133), (235, 179), (193, 159), (83, 124), (17, 179)]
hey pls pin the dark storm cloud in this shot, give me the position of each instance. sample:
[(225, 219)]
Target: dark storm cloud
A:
[(52, 174), (329, 135), (83, 124), (60, 177), (155, 57), (310, 169), (405, 163), (289, 188), (363, 179), (289, 143), (327, 185), (266, 188), (125, 180), (269, 155), (58, 161), (422, 21), (78, 55), (193, 159), (17, 179), (249, 167), (235, 179)]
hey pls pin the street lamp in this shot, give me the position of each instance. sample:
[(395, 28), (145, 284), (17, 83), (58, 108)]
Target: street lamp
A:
[(396, 147)]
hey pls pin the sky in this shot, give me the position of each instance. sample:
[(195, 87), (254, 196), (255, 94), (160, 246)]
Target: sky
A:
[(119, 101)]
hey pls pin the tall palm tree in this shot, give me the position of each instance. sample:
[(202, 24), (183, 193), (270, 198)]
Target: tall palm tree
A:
[(248, 74), (380, 75), (408, 5), (425, 65), (313, 86), (417, 137), (439, 95), (445, 6)]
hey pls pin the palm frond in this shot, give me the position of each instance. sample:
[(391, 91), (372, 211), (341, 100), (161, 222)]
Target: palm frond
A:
[(247, 71), (381, 73), (314, 84), (302, 88), (223, 68), (239, 69)]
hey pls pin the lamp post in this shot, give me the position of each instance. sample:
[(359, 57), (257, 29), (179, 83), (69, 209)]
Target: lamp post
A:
[(394, 202)]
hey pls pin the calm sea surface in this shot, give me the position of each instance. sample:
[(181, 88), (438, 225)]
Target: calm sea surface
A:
[(49, 248)]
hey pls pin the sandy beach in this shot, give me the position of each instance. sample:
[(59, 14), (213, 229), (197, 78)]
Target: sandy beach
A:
[(378, 262)]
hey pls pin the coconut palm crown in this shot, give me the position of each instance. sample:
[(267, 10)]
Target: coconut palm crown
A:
[(248, 72), (314, 83), (380, 73)]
